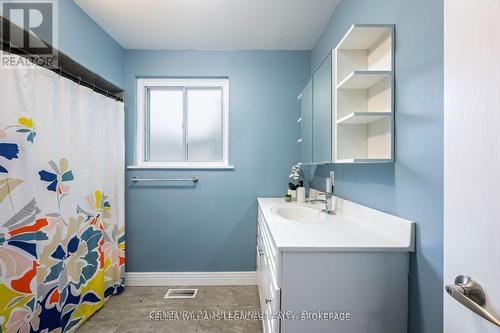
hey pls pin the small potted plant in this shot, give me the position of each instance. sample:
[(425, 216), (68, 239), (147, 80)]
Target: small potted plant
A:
[(295, 182)]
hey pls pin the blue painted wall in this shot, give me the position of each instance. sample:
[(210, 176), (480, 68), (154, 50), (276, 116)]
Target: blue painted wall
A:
[(212, 227), (88, 44), (413, 186)]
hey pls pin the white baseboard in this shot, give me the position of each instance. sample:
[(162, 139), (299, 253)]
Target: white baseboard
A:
[(159, 279)]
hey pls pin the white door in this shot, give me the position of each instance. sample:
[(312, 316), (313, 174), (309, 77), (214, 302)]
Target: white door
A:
[(472, 160)]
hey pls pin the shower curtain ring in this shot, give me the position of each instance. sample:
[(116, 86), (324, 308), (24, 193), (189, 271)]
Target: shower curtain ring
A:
[(93, 86), (60, 71), (79, 80), (106, 93), (10, 46)]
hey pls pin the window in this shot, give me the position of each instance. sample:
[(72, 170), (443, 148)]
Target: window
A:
[(182, 123)]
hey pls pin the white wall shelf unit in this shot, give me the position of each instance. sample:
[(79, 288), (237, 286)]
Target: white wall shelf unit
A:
[(363, 95), (352, 100)]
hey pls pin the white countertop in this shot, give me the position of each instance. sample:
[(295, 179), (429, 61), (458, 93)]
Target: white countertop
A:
[(355, 228)]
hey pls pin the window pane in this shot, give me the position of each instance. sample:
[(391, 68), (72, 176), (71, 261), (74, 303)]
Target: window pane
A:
[(204, 119), (166, 135)]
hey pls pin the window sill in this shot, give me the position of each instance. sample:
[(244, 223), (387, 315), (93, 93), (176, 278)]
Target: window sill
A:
[(140, 167)]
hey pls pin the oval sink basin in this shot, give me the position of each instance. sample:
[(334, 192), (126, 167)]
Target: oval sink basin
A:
[(298, 213)]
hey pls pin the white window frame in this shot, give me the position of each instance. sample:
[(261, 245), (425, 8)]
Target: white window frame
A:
[(143, 85)]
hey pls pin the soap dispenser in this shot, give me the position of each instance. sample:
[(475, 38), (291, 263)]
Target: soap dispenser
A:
[(301, 193), (330, 183)]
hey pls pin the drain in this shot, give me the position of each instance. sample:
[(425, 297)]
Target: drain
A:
[(181, 293)]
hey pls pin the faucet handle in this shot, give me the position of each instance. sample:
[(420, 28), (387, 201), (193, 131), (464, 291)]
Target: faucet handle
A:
[(329, 185), (330, 180)]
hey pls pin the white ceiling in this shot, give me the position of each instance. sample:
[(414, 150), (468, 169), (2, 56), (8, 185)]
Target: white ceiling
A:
[(212, 24)]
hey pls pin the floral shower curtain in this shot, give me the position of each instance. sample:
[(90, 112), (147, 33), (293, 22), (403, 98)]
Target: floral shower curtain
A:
[(61, 201)]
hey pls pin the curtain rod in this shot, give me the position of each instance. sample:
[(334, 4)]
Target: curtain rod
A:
[(60, 71), (67, 67)]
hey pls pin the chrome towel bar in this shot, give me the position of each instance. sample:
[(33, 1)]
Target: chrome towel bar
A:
[(137, 180)]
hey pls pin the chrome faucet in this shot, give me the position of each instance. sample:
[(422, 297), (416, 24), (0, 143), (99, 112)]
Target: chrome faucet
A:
[(329, 209)]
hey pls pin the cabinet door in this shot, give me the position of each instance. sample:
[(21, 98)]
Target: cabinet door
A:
[(306, 105), (322, 112)]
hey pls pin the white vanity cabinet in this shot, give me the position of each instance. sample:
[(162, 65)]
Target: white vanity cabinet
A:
[(268, 263), (358, 278)]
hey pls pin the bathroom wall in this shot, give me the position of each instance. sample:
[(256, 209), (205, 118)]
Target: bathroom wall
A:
[(212, 226), (88, 44), (413, 186)]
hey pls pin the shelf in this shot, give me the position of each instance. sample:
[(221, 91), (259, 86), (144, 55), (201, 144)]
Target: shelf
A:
[(363, 117), (299, 120), (363, 36), (363, 79), (364, 160), (365, 142)]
